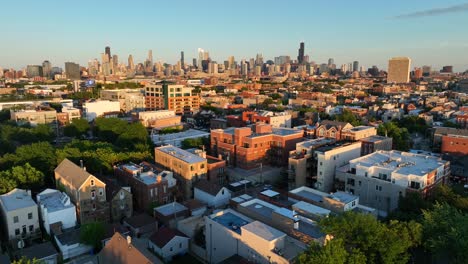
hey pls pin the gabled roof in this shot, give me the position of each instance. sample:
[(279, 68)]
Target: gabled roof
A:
[(208, 187), (72, 173), (119, 251), (161, 237), (330, 123)]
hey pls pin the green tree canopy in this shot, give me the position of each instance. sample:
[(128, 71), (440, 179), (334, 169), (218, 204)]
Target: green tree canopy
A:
[(77, 128), (349, 117), (25, 260), (92, 234), (399, 135), (24, 177)]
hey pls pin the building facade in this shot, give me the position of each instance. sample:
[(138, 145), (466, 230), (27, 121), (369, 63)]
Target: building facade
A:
[(178, 98)]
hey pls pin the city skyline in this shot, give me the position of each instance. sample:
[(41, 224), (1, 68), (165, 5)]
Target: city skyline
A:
[(430, 34)]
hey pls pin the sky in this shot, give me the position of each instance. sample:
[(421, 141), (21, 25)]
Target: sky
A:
[(430, 32)]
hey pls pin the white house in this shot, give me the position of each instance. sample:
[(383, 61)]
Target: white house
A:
[(93, 109), (20, 217), (167, 242), (211, 194), (54, 207)]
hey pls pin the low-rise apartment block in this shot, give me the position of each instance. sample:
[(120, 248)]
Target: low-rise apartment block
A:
[(268, 117), (358, 133), (159, 119), (314, 162), (373, 143), (186, 166), (380, 178), (98, 108), (248, 147), (148, 185), (20, 218), (34, 117), (178, 98)]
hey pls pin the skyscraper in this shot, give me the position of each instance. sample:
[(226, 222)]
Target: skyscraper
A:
[(231, 62), (259, 60), (108, 53), (72, 70), (399, 70), (131, 64), (355, 66), (47, 69), (331, 61), (182, 63), (300, 57), (34, 71), (150, 57), (201, 54)]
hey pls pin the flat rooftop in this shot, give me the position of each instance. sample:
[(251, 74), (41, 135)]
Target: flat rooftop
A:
[(181, 154), (373, 139), (231, 221), (191, 133), (399, 162), (309, 193), (360, 128), (281, 131), (344, 197), (335, 146), (264, 231), (16, 199), (314, 142), (170, 208), (310, 208), (55, 201)]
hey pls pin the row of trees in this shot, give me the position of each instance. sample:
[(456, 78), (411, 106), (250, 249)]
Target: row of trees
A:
[(421, 230)]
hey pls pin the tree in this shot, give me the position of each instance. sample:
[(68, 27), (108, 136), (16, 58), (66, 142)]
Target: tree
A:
[(92, 234), (25, 260), (400, 136), (349, 117), (333, 252), (445, 233), (77, 128), (364, 235), (195, 142), (414, 124), (24, 177)]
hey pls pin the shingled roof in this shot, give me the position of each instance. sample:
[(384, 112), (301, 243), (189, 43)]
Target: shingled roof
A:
[(72, 173), (119, 251), (208, 187), (161, 237)]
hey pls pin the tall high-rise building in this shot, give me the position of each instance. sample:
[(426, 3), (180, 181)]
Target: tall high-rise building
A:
[(115, 63), (131, 64), (108, 53), (231, 63), (182, 62), (72, 70), (355, 66), (34, 71), (331, 61), (47, 69), (194, 62), (201, 54), (399, 70), (418, 73), (150, 57), (300, 56), (259, 60)]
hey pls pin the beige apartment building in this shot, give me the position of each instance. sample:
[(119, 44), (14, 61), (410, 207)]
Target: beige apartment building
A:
[(358, 133), (131, 100), (34, 117), (186, 166)]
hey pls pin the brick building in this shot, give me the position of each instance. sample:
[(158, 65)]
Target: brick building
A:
[(247, 147), (455, 145), (148, 184), (178, 98)]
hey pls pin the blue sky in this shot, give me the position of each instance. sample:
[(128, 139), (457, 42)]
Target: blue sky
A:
[(367, 31)]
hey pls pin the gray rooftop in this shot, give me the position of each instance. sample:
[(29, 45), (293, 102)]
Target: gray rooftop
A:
[(314, 142), (344, 197), (404, 163), (374, 138), (40, 251), (264, 231), (181, 154), (16, 199), (231, 221), (307, 207), (54, 200), (281, 131), (170, 208), (310, 196)]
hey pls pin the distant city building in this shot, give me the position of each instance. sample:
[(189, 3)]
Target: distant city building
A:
[(93, 109), (355, 66), (72, 70), (34, 71), (47, 69), (399, 70), (300, 56), (107, 51), (447, 69)]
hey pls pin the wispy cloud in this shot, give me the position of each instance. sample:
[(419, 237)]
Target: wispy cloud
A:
[(435, 11)]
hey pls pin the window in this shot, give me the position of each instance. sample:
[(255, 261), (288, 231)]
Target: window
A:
[(17, 231), (92, 182), (164, 188), (122, 195), (171, 249), (202, 166), (155, 191), (101, 192), (29, 215), (191, 168), (93, 194), (94, 206), (31, 228), (365, 174), (15, 219), (180, 245), (359, 183), (222, 192), (320, 163), (151, 192)]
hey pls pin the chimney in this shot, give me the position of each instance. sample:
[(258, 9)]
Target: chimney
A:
[(81, 163), (129, 241)]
